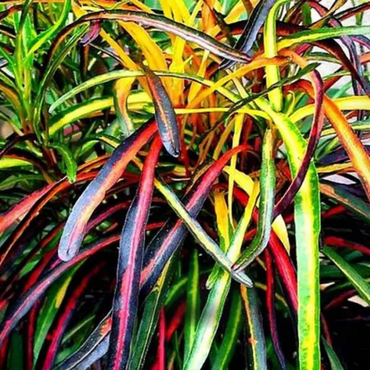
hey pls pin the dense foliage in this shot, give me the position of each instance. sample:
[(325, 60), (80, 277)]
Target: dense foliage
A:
[(183, 186)]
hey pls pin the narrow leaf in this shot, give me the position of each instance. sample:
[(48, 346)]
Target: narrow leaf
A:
[(126, 296), (354, 204), (205, 241), (165, 115), (333, 358), (268, 179), (322, 34), (88, 353), (316, 129), (162, 23), (192, 303), (8, 218), (212, 312), (223, 230), (94, 194), (55, 336), (229, 341), (271, 309), (358, 282), (307, 227), (169, 238), (68, 160), (149, 318), (50, 32), (17, 311), (256, 344), (250, 32)]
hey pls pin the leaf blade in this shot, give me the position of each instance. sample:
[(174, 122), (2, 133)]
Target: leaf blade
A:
[(130, 256)]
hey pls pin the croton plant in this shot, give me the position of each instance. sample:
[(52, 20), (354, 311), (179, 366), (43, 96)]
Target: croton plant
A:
[(184, 184)]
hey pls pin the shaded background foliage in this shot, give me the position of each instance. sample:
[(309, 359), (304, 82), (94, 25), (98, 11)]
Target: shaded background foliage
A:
[(125, 125)]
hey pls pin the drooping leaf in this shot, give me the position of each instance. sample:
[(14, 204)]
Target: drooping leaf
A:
[(94, 194), (251, 28), (115, 75), (162, 23), (349, 140), (316, 129), (23, 305), (322, 34), (165, 115), (169, 238), (304, 71)]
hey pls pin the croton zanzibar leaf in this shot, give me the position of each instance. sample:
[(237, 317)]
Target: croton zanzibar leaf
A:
[(184, 184)]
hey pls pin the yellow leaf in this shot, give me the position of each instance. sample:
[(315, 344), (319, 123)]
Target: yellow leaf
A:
[(222, 216), (245, 182), (236, 141)]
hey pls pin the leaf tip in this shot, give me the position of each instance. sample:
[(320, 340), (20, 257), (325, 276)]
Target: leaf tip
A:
[(242, 278)]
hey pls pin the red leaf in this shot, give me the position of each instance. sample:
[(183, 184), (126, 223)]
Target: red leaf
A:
[(130, 258), (94, 194)]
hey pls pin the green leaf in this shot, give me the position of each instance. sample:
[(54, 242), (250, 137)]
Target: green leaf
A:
[(348, 200), (212, 312), (15, 352), (209, 323), (229, 341), (284, 81), (192, 303), (307, 230), (224, 230), (8, 162), (149, 318), (333, 358), (68, 160), (256, 343), (273, 72), (115, 75), (78, 111), (50, 32), (50, 309), (322, 34), (268, 180), (352, 275), (200, 235)]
